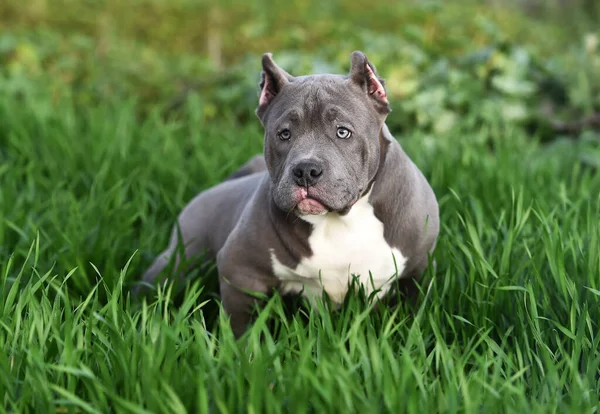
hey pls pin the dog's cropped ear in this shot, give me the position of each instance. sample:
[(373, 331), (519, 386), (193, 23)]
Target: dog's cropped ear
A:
[(273, 78), (364, 74)]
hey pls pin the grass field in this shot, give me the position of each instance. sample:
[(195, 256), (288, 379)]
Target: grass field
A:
[(88, 194), (510, 321)]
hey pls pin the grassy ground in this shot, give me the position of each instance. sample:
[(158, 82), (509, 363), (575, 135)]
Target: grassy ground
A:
[(90, 185)]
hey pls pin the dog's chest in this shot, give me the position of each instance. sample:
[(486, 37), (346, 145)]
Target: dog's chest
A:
[(343, 246)]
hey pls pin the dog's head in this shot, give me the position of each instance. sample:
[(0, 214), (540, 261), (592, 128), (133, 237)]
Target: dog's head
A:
[(322, 145)]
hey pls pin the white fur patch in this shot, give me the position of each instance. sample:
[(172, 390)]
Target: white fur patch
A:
[(343, 246)]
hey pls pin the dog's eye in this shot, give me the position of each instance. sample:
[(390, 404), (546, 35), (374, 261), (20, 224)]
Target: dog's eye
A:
[(285, 135), (343, 133)]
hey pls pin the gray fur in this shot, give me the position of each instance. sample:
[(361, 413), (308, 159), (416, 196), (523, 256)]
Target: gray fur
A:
[(240, 220)]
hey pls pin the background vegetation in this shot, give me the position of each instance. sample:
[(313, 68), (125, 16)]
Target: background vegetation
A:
[(114, 114)]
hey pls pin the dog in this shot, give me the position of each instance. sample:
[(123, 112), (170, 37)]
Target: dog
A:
[(333, 197)]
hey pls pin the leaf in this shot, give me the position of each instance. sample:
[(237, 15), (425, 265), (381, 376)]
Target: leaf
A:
[(513, 86)]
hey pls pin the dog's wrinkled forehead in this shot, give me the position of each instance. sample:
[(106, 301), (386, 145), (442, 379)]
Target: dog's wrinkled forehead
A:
[(324, 97)]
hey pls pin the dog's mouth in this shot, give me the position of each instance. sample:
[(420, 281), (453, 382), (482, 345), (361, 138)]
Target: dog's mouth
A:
[(311, 206), (311, 202)]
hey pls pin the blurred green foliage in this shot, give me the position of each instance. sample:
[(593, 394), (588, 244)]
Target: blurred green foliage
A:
[(441, 60)]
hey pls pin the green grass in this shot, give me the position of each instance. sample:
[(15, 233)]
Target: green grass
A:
[(89, 193)]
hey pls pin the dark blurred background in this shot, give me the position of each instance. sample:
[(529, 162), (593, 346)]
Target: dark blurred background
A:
[(531, 62)]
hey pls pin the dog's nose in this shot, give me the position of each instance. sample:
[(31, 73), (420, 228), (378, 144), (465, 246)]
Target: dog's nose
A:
[(307, 173)]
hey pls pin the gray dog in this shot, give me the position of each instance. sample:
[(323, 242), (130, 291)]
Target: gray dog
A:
[(334, 196)]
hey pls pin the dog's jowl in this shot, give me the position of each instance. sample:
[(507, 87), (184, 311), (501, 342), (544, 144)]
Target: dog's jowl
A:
[(333, 196)]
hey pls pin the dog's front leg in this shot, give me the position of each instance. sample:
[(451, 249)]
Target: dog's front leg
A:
[(240, 293)]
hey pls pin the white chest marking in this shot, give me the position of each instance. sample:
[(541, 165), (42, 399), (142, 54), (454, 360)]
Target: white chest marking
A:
[(343, 246)]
